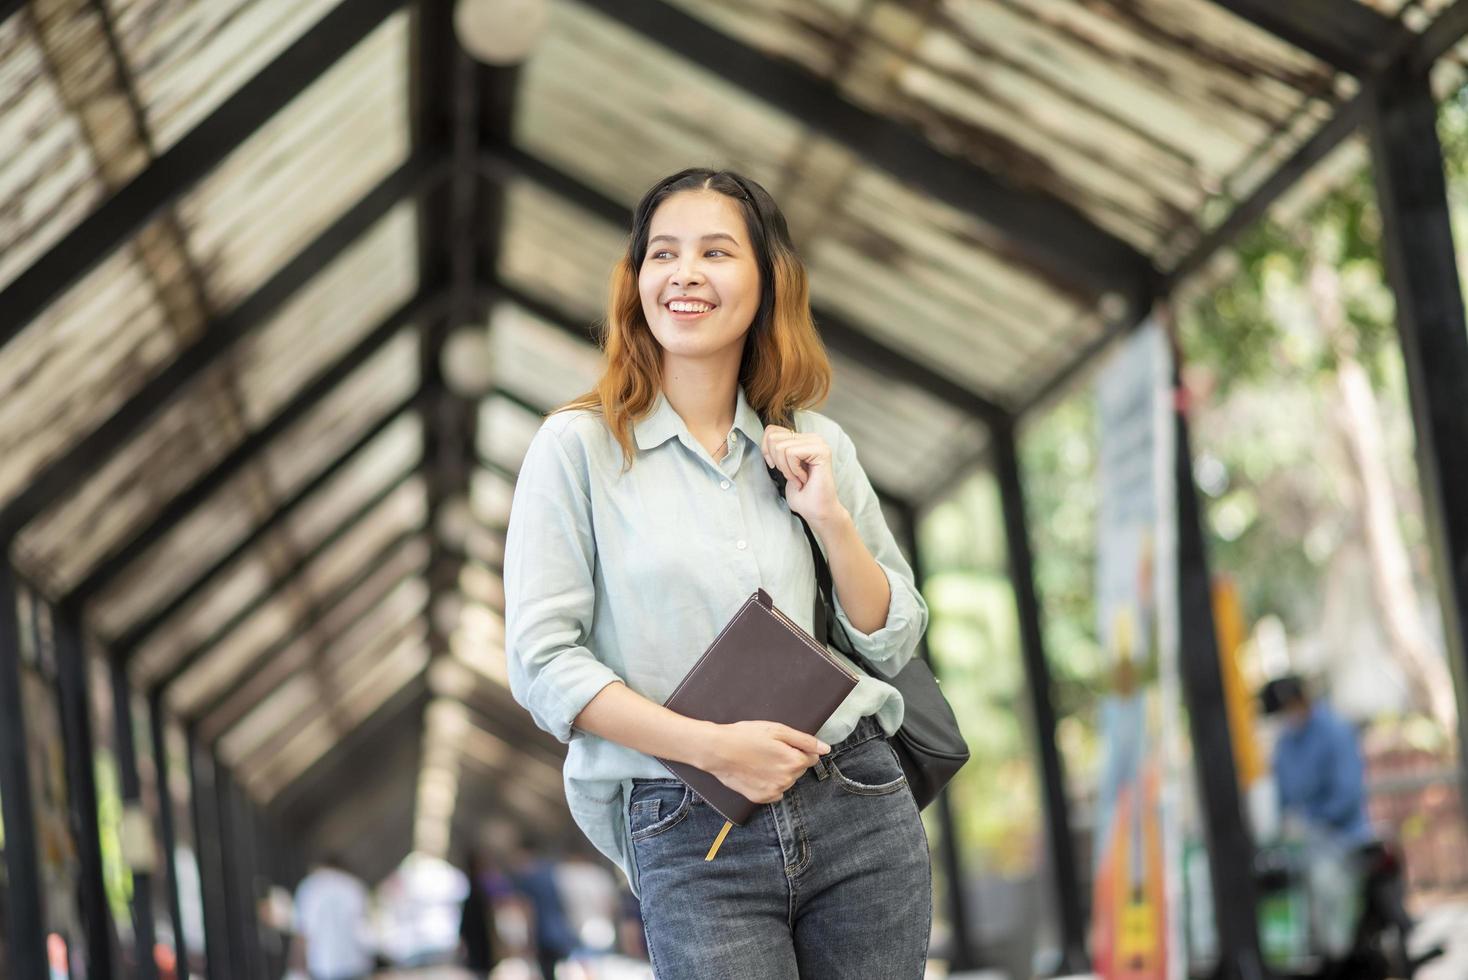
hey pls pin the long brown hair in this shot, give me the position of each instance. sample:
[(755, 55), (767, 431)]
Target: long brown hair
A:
[(784, 366)]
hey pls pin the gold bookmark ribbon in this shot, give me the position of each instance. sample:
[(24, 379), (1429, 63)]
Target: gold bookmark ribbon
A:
[(718, 841)]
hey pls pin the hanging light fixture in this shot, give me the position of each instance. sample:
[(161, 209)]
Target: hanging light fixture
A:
[(500, 32), (467, 363)]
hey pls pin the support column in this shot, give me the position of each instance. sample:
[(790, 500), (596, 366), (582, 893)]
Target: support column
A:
[(1421, 263), (170, 833), (1061, 850), (23, 902), (950, 851), (237, 903), (245, 837), (1230, 852), (132, 800), (209, 847), (74, 699)]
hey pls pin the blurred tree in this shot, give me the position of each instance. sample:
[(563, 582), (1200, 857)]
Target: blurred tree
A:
[(1306, 322)]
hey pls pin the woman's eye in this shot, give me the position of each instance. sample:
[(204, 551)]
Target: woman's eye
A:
[(716, 251), (660, 253)]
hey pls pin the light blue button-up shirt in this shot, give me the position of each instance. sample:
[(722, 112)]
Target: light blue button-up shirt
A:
[(629, 576)]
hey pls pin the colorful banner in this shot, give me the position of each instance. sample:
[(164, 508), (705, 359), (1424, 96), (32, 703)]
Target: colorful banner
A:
[(1136, 919)]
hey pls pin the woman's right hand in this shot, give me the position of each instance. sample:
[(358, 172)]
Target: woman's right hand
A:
[(762, 759)]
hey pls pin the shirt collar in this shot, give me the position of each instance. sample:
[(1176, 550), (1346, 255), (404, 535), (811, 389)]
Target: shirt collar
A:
[(663, 422)]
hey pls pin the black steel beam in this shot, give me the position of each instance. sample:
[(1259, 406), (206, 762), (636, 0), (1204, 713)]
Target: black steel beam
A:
[(131, 789), (1039, 686), (346, 755), (185, 163), (500, 471), (209, 846), (237, 909), (395, 633), (162, 771), (444, 117), (73, 683), (487, 710), (1422, 267), (457, 104), (249, 875), (1046, 233), (499, 164), (1418, 53), (950, 849), (396, 734), (315, 615), (369, 823), (26, 926), (1442, 35), (1230, 851), (333, 704), (1321, 144), (60, 478), (304, 402), (1344, 34), (287, 580), (127, 645)]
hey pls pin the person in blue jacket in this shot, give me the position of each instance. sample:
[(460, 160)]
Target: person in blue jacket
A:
[(1322, 798), (1317, 764)]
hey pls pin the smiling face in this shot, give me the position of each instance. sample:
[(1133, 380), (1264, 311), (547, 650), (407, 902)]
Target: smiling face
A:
[(699, 278)]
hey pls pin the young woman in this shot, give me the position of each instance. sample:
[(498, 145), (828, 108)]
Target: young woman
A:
[(643, 517)]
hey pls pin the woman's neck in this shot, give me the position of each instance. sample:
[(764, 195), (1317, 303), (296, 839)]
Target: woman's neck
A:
[(704, 398)]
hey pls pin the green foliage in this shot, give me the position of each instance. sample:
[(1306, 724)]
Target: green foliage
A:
[(1258, 324), (1279, 498)]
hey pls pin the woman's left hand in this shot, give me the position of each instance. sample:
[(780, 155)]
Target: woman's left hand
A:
[(805, 459)]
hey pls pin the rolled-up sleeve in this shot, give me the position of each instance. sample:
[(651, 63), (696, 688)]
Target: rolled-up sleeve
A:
[(891, 646), (550, 593)]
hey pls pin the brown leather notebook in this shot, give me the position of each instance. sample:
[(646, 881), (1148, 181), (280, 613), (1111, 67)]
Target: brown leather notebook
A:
[(761, 667)]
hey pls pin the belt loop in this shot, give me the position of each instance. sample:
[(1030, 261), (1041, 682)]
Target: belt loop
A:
[(822, 767)]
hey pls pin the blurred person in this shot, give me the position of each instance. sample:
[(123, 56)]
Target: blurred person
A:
[(1317, 763), (630, 938), (645, 513), (332, 937), (477, 938), (1320, 782), (589, 894), (533, 876)]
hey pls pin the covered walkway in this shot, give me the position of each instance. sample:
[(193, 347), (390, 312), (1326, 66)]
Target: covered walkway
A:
[(286, 286)]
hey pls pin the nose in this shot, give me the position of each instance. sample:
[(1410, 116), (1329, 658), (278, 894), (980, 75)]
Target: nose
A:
[(687, 273)]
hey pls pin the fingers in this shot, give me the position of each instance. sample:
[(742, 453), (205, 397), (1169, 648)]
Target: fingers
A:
[(795, 738), (788, 457), (793, 454), (775, 438)]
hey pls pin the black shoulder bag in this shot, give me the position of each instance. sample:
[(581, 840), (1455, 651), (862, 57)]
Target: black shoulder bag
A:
[(929, 744)]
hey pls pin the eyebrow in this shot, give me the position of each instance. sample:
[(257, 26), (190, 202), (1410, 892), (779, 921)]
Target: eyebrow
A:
[(705, 238)]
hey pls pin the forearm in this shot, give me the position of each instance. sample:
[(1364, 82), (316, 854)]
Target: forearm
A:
[(622, 715), (857, 579)]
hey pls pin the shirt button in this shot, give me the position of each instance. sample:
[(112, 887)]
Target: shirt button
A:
[(724, 485), (740, 544)]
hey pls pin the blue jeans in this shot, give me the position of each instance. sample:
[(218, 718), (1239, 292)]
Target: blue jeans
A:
[(831, 882)]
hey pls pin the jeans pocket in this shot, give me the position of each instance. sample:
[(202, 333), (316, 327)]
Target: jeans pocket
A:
[(656, 806), (870, 769)]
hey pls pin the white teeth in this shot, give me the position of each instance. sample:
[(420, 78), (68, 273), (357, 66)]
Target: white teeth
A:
[(681, 307)]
